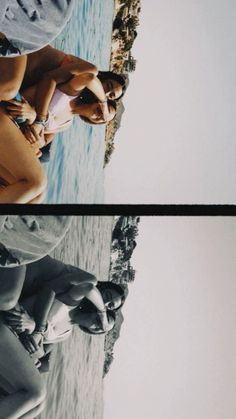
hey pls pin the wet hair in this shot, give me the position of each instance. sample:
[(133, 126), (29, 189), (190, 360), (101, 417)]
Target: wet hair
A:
[(111, 104), (119, 78), (111, 316), (104, 285)]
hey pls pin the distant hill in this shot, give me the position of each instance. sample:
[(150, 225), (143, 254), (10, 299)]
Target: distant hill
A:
[(124, 234), (125, 22)]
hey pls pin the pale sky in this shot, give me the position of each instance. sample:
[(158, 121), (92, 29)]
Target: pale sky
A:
[(177, 141), (175, 358)]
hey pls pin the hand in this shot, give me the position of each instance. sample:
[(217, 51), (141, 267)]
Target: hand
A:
[(38, 130), (20, 321), (22, 110), (35, 135), (31, 342)]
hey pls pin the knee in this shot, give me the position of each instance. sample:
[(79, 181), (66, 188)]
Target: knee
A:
[(38, 394), (8, 91), (41, 183), (38, 199), (38, 184), (7, 302)]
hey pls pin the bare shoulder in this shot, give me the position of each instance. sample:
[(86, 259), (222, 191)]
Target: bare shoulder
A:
[(73, 58), (82, 64), (80, 276)]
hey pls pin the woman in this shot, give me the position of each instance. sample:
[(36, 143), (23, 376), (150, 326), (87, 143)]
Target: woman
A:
[(24, 390), (60, 321), (55, 311), (25, 71), (51, 279), (18, 374), (60, 113), (76, 88), (23, 180)]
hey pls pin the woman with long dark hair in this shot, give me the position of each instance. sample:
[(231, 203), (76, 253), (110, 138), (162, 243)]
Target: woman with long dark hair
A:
[(57, 286), (75, 88), (52, 280)]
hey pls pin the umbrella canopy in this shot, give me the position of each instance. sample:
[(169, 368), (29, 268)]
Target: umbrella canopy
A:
[(29, 25), (27, 238)]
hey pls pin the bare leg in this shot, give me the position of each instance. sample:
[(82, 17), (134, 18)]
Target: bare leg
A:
[(11, 75), (34, 412), (18, 158), (7, 179), (38, 199), (11, 283), (19, 370)]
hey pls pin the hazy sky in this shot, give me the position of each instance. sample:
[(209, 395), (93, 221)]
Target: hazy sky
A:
[(177, 141), (175, 358)]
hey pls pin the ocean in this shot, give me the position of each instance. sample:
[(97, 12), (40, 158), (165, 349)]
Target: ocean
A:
[(75, 385), (75, 171)]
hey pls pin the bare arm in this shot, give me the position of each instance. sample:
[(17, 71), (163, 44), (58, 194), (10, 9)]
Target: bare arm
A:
[(94, 296), (69, 288), (42, 306), (90, 81), (51, 79)]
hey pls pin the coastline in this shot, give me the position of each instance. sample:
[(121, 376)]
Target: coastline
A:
[(124, 233), (80, 363), (125, 22)]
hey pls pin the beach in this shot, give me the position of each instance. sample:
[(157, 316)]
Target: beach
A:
[(75, 384)]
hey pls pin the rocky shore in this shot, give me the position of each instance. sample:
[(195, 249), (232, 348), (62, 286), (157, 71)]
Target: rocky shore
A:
[(125, 22), (124, 233)]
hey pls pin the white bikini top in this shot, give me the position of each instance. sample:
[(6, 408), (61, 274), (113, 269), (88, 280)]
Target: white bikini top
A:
[(58, 102), (51, 336)]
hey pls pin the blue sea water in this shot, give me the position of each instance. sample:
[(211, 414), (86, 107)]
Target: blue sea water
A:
[(75, 170), (75, 383)]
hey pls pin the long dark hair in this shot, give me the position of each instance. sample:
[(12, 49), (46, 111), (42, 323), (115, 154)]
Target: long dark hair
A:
[(86, 96), (102, 285), (86, 306), (120, 78)]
